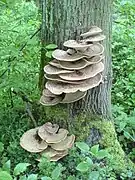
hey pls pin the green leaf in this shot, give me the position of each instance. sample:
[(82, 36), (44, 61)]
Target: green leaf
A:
[(57, 172), (83, 146), (71, 178), (46, 178), (102, 154), (32, 177), (94, 175), (94, 149), (83, 167), (20, 168), (23, 177), (51, 46), (7, 166), (1, 147), (5, 176), (49, 54), (89, 161)]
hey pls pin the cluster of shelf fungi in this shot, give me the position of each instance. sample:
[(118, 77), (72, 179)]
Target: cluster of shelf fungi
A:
[(76, 70), (70, 75)]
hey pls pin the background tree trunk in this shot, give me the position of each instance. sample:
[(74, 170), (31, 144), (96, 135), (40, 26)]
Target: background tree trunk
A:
[(89, 118)]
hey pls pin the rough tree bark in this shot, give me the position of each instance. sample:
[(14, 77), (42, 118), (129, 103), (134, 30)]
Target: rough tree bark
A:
[(90, 118)]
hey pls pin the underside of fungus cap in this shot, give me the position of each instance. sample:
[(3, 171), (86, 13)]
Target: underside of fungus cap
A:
[(59, 88), (85, 73), (48, 69), (97, 38), (31, 142), (94, 50), (65, 144), (50, 101), (75, 65), (94, 30), (53, 138), (77, 45), (55, 63), (57, 78), (66, 56), (73, 97)]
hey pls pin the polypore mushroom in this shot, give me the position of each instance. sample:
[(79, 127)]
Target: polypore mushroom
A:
[(73, 97), (80, 45), (59, 156), (55, 63), (57, 78), (94, 30), (94, 50), (59, 88), (31, 142), (85, 73), (49, 69), (66, 56), (49, 127), (50, 101), (96, 38), (65, 144), (52, 138)]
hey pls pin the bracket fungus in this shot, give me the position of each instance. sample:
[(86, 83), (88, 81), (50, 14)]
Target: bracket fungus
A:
[(49, 140), (74, 71)]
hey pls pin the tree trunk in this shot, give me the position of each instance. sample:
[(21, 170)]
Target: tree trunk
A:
[(89, 118)]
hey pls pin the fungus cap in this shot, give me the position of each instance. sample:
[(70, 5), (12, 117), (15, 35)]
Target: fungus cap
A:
[(49, 69), (80, 64), (77, 45), (94, 50), (57, 78), (48, 93), (49, 127), (31, 142), (85, 73), (59, 88), (97, 38), (55, 63), (94, 30), (66, 56), (53, 138), (50, 101), (59, 156), (65, 144), (73, 97)]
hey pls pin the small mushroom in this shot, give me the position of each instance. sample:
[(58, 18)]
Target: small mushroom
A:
[(49, 127), (59, 88), (94, 50), (50, 101), (80, 45), (85, 73), (31, 142), (73, 97), (53, 138), (65, 144), (49, 152), (58, 156), (94, 30), (54, 70), (96, 38), (66, 56)]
